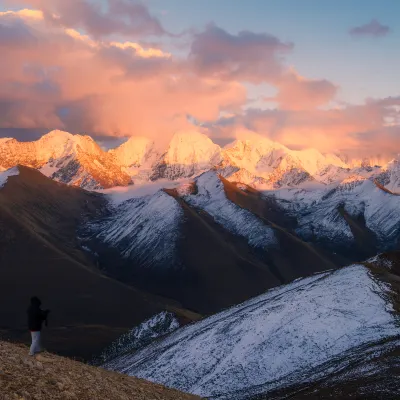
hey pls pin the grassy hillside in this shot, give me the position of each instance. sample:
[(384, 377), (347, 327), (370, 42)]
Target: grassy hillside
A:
[(52, 377)]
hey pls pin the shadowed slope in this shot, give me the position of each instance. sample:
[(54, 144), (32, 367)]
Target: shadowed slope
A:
[(39, 255), (219, 268)]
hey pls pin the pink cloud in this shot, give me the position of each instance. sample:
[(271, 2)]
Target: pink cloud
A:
[(297, 93), (358, 130), (61, 80), (52, 75)]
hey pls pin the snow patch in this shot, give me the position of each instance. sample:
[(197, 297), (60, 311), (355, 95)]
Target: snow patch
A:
[(4, 175), (49, 169), (157, 326), (212, 199), (144, 229)]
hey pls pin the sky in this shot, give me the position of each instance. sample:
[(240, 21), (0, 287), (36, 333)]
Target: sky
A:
[(306, 73)]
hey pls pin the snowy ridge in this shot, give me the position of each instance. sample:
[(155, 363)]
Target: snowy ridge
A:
[(390, 176), (270, 163), (73, 159), (137, 156), (318, 215), (7, 173), (258, 161), (262, 342), (188, 155), (144, 229), (140, 336), (211, 198)]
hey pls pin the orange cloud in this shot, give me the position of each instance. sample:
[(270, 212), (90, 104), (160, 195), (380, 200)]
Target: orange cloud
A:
[(62, 67), (56, 77), (357, 130), (298, 93)]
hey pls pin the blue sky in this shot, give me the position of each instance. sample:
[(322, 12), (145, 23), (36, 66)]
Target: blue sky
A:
[(362, 66)]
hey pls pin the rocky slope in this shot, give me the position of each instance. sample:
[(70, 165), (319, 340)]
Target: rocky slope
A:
[(51, 377), (73, 159), (311, 335)]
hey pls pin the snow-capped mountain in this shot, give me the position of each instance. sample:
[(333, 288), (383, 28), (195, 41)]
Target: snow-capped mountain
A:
[(137, 156), (356, 209), (262, 161), (297, 333), (334, 204), (188, 154), (258, 161), (210, 196), (73, 159), (390, 176)]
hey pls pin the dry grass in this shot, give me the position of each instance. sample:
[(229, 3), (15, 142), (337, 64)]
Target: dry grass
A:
[(52, 377)]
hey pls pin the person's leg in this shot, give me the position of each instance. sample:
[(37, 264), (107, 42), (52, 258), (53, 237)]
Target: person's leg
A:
[(35, 346)]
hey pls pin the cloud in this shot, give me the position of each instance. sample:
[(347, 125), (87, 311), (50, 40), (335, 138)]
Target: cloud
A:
[(372, 28), (24, 13), (123, 17), (63, 68), (247, 56), (296, 92), (359, 130), (56, 77)]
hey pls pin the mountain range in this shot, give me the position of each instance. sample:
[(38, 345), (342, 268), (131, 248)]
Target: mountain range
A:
[(215, 226), (257, 161), (232, 273)]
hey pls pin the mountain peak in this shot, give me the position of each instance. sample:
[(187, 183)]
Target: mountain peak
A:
[(72, 159), (189, 153), (135, 152), (191, 146)]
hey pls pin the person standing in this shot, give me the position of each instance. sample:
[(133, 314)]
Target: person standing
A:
[(36, 317)]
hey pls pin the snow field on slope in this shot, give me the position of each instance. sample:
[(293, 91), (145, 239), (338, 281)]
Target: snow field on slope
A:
[(147, 227), (212, 199), (143, 334), (288, 329), (318, 209), (5, 174)]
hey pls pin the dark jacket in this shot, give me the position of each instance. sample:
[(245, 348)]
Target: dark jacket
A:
[(36, 315)]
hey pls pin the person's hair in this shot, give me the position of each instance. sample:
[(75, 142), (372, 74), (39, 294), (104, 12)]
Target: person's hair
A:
[(35, 301)]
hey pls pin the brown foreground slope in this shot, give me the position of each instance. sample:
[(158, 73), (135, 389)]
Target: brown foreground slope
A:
[(40, 255), (52, 377)]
